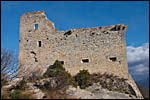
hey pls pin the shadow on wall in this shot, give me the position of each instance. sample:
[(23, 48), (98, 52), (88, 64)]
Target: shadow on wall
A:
[(50, 67)]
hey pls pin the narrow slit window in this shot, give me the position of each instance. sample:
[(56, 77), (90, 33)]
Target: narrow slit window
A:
[(36, 26), (39, 43), (113, 59), (85, 60)]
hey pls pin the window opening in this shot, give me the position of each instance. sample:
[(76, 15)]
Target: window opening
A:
[(85, 60), (62, 62), (92, 34), (76, 35), (35, 59), (113, 59), (32, 52), (36, 26), (39, 43)]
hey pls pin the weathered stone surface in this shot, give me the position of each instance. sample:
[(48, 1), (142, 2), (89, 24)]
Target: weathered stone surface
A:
[(47, 82), (39, 48), (36, 92), (96, 92), (12, 84), (30, 88), (104, 48)]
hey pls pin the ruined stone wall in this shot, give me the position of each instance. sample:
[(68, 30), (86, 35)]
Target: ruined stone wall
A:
[(100, 49)]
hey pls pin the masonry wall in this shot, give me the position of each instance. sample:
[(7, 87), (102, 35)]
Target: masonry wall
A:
[(103, 47), (100, 49)]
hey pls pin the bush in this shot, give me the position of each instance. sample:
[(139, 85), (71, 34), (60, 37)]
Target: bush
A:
[(55, 70), (18, 94), (74, 82), (58, 66), (62, 78), (84, 79), (15, 94), (57, 73)]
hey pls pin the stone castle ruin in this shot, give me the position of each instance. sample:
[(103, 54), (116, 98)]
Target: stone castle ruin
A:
[(99, 49)]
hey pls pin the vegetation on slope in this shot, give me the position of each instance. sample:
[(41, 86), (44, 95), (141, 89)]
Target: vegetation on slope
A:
[(62, 79)]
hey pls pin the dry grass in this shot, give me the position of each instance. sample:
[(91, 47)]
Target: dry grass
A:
[(25, 95), (4, 95)]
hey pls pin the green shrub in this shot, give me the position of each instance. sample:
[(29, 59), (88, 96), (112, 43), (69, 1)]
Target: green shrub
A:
[(58, 65), (57, 69), (15, 94), (18, 94), (84, 79), (73, 82), (63, 78), (57, 73)]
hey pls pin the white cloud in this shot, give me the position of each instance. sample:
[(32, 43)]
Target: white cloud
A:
[(139, 69), (136, 54), (138, 60)]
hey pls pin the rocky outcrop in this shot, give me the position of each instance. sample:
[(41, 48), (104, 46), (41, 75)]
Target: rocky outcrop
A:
[(36, 92), (46, 83), (96, 92), (12, 85), (28, 88)]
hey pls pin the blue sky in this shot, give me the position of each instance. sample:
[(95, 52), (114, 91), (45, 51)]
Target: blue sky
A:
[(83, 14)]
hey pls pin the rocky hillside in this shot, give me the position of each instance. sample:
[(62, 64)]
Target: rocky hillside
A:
[(57, 83)]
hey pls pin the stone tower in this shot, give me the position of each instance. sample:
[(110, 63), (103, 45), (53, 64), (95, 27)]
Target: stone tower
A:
[(100, 49)]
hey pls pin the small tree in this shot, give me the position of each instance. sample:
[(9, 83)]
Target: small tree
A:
[(61, 78), (57, 65), (84, 79), (9, 66)]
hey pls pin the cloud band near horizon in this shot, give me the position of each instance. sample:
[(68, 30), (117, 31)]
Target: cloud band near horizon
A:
[(138, 61)]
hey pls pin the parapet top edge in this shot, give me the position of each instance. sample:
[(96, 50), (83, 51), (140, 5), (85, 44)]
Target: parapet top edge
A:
[(100, 27), (33, 13)]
